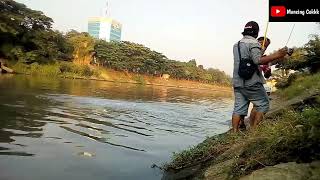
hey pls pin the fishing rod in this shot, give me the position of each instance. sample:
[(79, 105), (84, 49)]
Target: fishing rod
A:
[(265, 36)]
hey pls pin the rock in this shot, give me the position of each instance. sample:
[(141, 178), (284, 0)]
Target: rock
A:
[(86, 154), (288, 171), (6, 69), (182, 174), (296, 103)]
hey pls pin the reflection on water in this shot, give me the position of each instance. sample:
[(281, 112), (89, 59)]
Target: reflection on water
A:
[(79, 129)]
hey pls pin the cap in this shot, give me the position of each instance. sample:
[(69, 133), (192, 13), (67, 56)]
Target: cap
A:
[(251, 27)]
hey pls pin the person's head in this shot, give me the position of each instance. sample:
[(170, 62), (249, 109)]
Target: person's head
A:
[(251, 29), (267, 43)]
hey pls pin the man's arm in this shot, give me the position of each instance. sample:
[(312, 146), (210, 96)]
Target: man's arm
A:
[(275, 56), (256, 55)]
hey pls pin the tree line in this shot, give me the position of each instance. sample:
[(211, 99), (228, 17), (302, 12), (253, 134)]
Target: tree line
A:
[(26, 36)]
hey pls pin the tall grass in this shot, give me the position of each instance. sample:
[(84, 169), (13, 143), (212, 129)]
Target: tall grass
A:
[(294, 136), (139, 79), (302, 85), (57, 69)]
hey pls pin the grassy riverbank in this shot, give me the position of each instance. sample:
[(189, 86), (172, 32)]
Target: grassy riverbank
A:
[(73, 71), (290, 135)]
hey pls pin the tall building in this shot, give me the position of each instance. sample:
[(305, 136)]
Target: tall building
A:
[(104, 28)]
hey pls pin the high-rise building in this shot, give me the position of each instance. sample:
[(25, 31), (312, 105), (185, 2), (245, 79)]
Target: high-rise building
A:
[(104, 28)]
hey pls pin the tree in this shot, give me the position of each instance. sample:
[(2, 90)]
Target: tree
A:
[(16, 18), (26, 35), (83, 47), (313, 54)]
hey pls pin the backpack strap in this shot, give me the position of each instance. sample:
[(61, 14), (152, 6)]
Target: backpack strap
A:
[(240, 58), (239, 52)]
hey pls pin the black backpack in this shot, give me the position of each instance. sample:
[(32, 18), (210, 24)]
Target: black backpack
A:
[(246, 66)]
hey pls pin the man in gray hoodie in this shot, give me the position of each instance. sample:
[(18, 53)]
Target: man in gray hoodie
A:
[(251, 90)]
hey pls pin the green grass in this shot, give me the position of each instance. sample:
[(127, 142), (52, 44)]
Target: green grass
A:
[(302, 85), (294, 136), (57, 69), (139, 79)]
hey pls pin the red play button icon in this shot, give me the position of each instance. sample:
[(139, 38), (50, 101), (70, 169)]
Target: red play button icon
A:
[(278, 11)]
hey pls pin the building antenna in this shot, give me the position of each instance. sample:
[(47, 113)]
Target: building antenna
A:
[(106, 10)]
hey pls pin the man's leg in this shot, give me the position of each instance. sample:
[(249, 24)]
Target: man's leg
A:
[(252, 115), (236, 119), (242, 125), (235, 122), (241, 105), (258, 96), (258, 118)]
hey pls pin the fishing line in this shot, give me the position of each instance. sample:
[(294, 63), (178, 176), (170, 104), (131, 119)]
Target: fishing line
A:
[(290, 34)]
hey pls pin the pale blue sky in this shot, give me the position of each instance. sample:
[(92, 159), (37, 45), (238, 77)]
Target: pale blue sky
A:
[(204, 30)]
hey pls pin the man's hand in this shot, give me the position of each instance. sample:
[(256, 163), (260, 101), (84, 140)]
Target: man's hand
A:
[(282, 52), (275, 56)]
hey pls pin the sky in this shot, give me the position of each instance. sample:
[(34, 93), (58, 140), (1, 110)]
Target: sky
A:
[(182, 30)]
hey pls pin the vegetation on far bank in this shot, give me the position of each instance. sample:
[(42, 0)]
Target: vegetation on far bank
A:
[(27, 37), (57, 69)]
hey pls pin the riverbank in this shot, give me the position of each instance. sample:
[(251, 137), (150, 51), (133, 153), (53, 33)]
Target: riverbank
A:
[(289, 135), (73, 71)]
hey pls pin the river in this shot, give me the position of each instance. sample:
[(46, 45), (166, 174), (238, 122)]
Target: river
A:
[(81, 129)]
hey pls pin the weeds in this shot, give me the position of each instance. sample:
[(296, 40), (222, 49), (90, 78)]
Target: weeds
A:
[(139, 79), (58, 69), (301, 85), (293, 136)]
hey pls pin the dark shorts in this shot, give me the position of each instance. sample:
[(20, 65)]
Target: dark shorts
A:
[(256, 94)]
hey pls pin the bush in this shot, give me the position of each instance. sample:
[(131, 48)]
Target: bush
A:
[(85, 71), (302, 85), (21, 68), (286, 82), (80, 70), (65, 67), (51, 70), (140, 79)]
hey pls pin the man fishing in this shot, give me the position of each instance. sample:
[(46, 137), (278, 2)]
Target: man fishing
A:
[(266, 69), (247, 77)]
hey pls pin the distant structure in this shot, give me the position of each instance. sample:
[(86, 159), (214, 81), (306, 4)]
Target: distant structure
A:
[(104, 27)]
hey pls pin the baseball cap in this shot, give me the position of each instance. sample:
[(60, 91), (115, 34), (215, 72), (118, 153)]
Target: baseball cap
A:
[(251, 27)]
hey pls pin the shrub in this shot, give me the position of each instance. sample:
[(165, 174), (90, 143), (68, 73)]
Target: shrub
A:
[(21, 68), (80, 70), (139, 79)]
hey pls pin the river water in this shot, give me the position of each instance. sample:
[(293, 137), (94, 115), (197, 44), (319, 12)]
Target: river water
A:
[(80, 129)]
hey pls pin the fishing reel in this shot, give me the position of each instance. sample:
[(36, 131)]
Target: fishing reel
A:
[(290, 51)]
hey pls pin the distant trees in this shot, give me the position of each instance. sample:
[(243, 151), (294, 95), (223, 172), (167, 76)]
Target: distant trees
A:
[(136, 58), (313, 54), (26, 36), (83, 47)]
